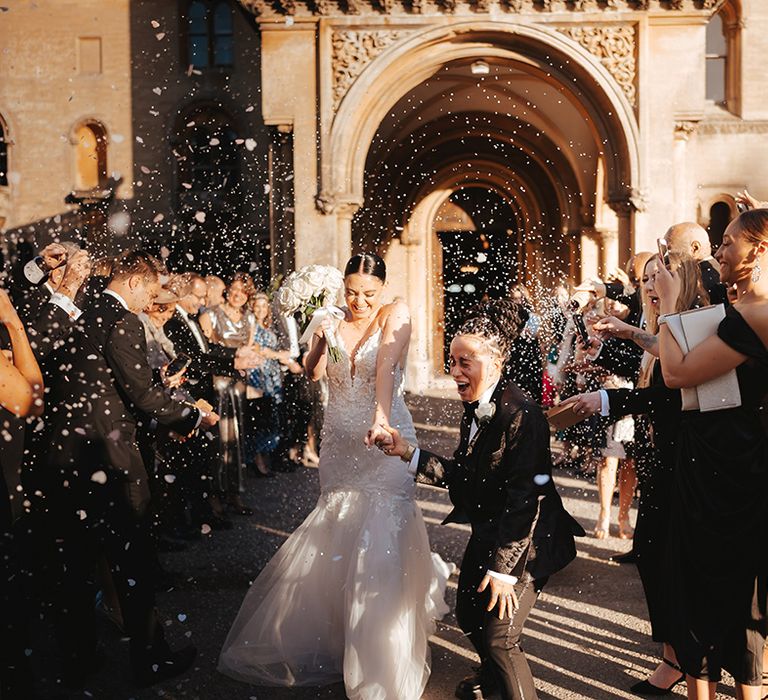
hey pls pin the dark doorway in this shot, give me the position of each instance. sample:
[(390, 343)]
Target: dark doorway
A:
[(719, 218), (477, 264)]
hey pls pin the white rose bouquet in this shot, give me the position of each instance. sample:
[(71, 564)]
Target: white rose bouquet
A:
[(311, 292)]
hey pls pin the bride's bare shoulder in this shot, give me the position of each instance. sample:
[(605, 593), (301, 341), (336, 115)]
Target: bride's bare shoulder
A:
[(395, 312)]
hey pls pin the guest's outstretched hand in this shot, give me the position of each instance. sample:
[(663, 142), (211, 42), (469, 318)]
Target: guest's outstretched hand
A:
[(612, 326), (584, 404)]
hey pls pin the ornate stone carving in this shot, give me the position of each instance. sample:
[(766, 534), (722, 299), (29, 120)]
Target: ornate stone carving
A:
[(353, 50), (614, 45), (684, 129), (308, 8)]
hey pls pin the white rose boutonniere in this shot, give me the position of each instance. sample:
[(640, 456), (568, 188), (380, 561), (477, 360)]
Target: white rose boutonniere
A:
[(485, 412)]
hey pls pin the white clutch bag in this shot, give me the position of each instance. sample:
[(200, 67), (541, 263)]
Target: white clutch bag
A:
[(690, 328)]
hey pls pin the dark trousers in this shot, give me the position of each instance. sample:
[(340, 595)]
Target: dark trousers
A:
[(497, 641), (90, 522)]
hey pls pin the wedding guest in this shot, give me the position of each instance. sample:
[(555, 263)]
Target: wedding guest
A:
[(215, 288), (265, 391), (500, 480), (691, 239), (22, 396), (717, 590), (98, 499), (232, 325), (208, 361), (663, 406)]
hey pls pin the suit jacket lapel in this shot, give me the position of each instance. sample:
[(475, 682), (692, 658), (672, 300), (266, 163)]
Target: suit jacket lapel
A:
[(482, 428)]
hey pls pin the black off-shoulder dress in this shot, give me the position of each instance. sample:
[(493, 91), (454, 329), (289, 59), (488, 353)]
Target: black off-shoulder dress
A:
[(718, 526)]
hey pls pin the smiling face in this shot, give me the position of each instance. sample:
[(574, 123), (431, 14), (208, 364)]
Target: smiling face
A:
[(195, 300), (261, 309), (236, 294), (736, 255), (141, 292), (474, 366), (362, 294)]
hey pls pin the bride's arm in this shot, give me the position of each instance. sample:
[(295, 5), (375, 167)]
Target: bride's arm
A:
[(395, 339), (316, 358)]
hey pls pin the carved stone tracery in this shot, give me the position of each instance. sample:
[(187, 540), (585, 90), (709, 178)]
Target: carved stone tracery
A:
[(353, 50), (614, 45)]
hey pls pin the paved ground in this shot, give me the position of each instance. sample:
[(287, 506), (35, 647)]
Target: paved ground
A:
[(587, 637)]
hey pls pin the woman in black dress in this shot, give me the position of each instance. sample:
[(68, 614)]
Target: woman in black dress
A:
[(718, 554), (662, 405)]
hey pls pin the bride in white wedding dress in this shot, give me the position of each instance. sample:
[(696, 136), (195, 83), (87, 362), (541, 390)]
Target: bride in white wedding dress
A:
[(354, 592)]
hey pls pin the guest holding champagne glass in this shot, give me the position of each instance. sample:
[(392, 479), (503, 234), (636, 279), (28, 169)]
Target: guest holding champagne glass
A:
[(717, 587)]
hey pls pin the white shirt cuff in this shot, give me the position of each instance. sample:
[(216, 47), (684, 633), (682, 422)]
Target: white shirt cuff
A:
[(413, 465), (605, 405), (64, 302), (502, 577)]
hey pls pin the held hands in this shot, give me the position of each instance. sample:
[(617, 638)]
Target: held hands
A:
[(248, 357), (393, 444), (378, 435), (502, 593)]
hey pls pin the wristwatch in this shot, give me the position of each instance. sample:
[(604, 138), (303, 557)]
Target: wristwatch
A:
[(408, 456)]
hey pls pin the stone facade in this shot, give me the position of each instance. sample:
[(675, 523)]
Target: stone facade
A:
[(361, 120)]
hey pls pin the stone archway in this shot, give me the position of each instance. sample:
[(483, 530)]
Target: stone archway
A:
[(544, 125)]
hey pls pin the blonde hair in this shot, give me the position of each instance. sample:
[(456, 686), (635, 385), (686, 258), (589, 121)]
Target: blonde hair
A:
[(692, 295)]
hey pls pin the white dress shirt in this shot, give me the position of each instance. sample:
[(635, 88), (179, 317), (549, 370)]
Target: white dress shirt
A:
[(485, 397), (194, 328), (63, 302)]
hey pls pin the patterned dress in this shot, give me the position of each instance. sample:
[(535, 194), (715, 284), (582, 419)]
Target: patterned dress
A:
[(263, 435)]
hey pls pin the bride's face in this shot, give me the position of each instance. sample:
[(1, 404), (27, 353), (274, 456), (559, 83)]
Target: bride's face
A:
[(362, 294), (474, 366)]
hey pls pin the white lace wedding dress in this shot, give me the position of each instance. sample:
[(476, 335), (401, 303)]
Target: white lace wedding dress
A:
[(353, 593)]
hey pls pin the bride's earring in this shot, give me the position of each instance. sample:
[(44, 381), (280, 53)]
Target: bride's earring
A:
[(756, 271)]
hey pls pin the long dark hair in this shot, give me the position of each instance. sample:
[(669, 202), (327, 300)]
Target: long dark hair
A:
[(366, 264)]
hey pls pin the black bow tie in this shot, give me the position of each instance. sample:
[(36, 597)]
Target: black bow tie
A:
[(469, 409)]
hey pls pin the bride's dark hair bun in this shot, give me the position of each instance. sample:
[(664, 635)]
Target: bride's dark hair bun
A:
[(500, 321), (366, 264)]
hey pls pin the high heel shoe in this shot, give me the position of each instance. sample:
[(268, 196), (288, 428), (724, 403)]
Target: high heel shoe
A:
[(647, 688)]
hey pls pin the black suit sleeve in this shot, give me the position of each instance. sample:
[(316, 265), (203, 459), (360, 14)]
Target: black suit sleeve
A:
[(126, 354), (218, 359), (434, 470), (620, 357), (526, 461), (625, 402), (46, 328)]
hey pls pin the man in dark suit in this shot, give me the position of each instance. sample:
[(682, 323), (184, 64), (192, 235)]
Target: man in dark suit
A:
[(691, 239), (500, 481), (99, 500)]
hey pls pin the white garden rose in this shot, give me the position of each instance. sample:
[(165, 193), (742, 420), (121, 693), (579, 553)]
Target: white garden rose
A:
[(301, 287), (289, 302), (316, 276)]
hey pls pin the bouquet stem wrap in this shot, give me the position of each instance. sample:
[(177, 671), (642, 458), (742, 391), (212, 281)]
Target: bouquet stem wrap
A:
[(330, 311)]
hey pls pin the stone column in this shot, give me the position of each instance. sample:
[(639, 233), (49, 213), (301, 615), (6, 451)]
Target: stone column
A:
[(282, 221), (625, 208), (344, 213), (681, 186)]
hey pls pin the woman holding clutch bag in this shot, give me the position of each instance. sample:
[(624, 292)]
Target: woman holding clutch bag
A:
[(718, 589), (662, 406)]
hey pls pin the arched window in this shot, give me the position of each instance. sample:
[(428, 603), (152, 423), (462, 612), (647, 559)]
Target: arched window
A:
[(720, 216), (717, 58), (3, 156), (723, 57), (207, 159), (90, 141), (210, 34)]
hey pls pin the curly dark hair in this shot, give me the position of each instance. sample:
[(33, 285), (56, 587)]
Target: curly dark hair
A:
[(499, 321)]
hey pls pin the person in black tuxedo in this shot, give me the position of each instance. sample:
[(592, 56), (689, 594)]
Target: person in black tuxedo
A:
[(500, 481), (98, 497)]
